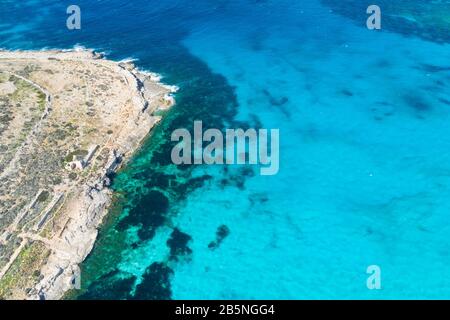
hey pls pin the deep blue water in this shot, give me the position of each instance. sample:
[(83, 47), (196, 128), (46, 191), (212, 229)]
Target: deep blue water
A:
[(365, 160)]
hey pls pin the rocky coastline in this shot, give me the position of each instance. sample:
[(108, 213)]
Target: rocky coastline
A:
[(86, 203)]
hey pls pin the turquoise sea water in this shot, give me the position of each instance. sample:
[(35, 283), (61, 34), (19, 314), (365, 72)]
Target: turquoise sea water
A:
[(365, 163)]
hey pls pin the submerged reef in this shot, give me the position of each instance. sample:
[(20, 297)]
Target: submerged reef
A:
[(222, 232), (178, 244), (429, 20)]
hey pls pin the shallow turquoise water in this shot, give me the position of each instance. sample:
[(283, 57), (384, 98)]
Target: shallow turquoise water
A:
[(365, 170)]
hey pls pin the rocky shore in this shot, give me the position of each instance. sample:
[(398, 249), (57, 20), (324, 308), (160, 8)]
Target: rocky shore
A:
[(113, 109)]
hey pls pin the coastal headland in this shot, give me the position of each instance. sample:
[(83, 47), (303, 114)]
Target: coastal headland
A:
[(68, 121)]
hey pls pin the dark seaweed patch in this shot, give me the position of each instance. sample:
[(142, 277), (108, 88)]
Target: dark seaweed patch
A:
[(199, 182), (212, 245), (247, 171), (256, 198), (444, 101), (432, 68), (109, 287), (347, 93), (222, 232), (236, 178), (239, 182), (224, 183), (256, 40), (149, 213), (278, 102), (113, 286), (255, 122), (178, 244), (416, 103), (383, 63), (155, 284), (134, 245), (382, 110), (159, 179), (275, 101)]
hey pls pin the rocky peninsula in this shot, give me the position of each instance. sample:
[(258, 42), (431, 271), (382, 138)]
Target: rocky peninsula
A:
[(68, 121)]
